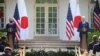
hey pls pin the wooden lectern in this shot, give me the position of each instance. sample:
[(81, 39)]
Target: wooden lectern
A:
[(10, 38), (83, 44), (84, 39), (83, 29), (11, 29)]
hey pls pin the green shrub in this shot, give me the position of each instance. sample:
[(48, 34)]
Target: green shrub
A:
[(50, 53), (94, 32), (3, 34)]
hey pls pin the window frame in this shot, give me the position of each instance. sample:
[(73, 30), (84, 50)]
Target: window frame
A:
[(4, 20), (2, 2), (46, 6)]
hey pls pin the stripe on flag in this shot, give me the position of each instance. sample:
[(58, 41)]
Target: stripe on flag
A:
[(96, 15), (69, 24), (16, 20)]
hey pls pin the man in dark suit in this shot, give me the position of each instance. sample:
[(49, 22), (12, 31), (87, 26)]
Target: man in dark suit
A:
[(8, 51), (2, 44), (83, 29), (96, 47), (11, 29), (94, 41)]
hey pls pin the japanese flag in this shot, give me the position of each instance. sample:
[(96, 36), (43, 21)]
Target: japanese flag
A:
[(24, 33), (76, 17)]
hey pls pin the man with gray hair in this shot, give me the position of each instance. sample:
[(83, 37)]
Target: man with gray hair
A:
[(11, 29), (83, 29)]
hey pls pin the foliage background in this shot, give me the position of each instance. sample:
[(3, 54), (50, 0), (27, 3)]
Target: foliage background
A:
[(90, 34), (3, 34)]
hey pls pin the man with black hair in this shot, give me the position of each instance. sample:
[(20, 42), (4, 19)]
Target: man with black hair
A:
[(2, 44), (94, 41), (96, 47), (7, 51)]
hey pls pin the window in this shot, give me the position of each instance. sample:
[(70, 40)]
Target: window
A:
[(2, 19), (52, 18), (46, 1), (40, 19), (46, 17), (1, 1)]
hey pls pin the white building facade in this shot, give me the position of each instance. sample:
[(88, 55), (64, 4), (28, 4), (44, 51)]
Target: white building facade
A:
[(47, 18)]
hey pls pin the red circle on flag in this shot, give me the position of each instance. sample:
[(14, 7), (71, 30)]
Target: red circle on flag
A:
[(77, 20), (24, 22)]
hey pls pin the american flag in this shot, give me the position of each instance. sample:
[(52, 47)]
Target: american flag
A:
[(96, 15), (69, 24), (16, 20)]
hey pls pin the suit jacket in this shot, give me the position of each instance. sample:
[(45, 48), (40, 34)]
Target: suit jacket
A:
[(90, 46), (83, 25), (96, 48), (80, 30), (11, 25)]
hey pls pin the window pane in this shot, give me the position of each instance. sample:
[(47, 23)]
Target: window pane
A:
[(38, 20), (54, 31), (54, 9), (42, 26), (50, 26), (42, 20), (42, 15), (54, 14), (38, 26), (1, 17), (48, 1), (1, 1), (38, 14), (42, 31), (40, 1), (50, 9), (52, 1), (54, 25), (54, 20), (38, 9), (37, 1), (50, 20), (38, 31), (50, 30), (42, 9), (50, 14)]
